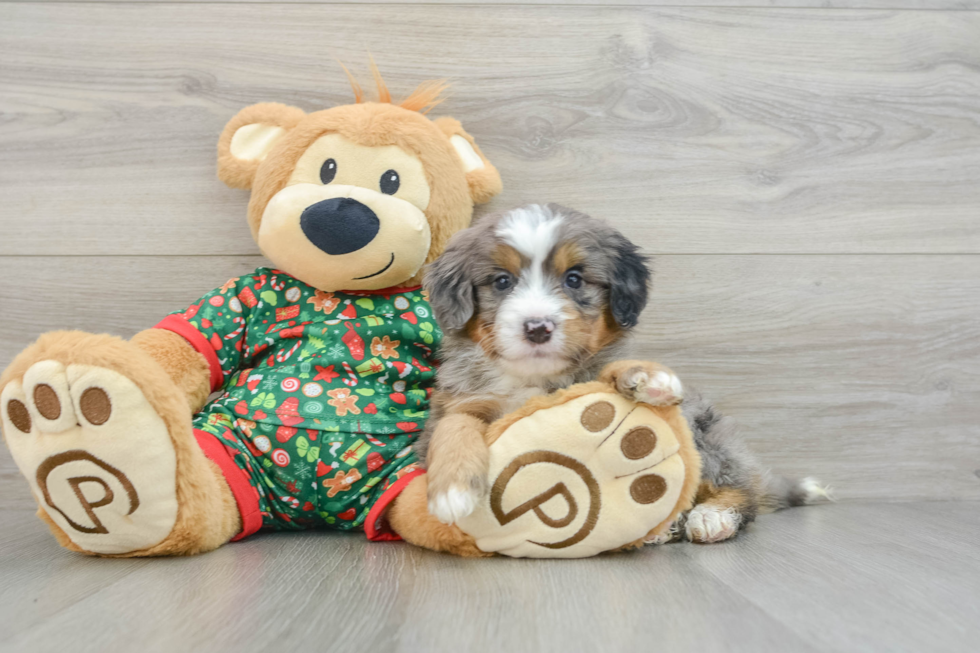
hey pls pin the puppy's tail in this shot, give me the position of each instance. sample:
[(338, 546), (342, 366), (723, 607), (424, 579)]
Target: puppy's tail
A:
[(779, 492)]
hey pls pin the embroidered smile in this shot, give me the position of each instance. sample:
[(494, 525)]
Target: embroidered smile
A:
[(379, 271)]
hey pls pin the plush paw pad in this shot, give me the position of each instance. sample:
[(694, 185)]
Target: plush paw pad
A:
[(589, 475), (97, 456), (707, 523)]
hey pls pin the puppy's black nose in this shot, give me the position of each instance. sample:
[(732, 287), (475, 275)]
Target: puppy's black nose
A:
[(538, 331), (339, 225)]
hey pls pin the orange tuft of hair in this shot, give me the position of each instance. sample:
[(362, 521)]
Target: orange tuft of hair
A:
[(384, 95), (358, 91), (426, 96), (423, 99)]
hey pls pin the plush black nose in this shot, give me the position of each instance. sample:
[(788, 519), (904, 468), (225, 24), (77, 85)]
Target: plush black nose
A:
[(538, 331), (339, 225)]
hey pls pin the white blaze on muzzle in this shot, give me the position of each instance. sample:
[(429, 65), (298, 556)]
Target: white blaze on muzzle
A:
[(340, 237), (536, 296)]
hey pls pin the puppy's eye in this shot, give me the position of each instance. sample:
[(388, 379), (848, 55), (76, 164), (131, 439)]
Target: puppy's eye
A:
[(390, 182), (574, 280), (502, 282), (328, 171)]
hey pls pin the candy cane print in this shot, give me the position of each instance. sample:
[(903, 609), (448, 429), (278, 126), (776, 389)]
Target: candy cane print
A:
[(352, 381), (276, 284), (373, 440), (237, 332), (282, 357)]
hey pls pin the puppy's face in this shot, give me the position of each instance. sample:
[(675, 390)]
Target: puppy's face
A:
[(541, 288)]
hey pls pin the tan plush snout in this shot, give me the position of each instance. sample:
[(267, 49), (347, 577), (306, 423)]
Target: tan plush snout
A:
[(340, 237)]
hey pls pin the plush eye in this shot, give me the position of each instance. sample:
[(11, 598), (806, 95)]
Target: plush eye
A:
[(502, 282), (574, 280), (328, 171), (390, 181)]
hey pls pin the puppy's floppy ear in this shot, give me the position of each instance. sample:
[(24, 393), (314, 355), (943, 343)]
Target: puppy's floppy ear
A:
[(248, 137), (628, 286), (482, 178), (449, 281)]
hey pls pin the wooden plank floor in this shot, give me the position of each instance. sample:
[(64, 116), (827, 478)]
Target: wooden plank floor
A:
[(872, 577), (806, 172)]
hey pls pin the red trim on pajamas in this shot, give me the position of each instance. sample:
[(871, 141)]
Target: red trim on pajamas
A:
[(394, 290), (245, 496), (196, 339), (374, 528)]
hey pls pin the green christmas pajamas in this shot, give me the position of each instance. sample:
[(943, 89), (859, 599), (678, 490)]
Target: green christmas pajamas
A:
[(322, 395)]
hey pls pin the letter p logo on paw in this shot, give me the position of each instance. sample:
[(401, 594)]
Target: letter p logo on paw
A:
[(55, 468), (97, 455), (587, 475)]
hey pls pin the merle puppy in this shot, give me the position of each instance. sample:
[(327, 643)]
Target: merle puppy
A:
[(541, 297)]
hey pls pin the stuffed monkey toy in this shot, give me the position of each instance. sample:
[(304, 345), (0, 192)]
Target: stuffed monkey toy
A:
[(320, 368)]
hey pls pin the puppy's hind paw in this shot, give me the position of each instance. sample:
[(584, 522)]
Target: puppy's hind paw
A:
[(706, 524), (670, 534)]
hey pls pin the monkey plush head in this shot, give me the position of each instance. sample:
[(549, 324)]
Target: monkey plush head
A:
[(360, 196)]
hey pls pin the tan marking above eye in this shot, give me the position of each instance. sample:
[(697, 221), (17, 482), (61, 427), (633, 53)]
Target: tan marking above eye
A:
[(638, 443), (648, 488), (19, 416), (567, 256), (95, 406), (598, 416), (507, 258), (46, 401)]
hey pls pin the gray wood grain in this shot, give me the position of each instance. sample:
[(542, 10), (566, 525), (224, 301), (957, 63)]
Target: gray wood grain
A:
[(30, 557), (947, 5), (856, 578), (861, 370), (822, 578), (706, 130)]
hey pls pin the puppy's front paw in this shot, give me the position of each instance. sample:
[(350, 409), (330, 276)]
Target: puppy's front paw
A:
[(453, 496), (650, 384), (454, 504)]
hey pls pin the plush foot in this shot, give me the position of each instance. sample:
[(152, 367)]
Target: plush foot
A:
[(97, 456), (594, 473), (707, 523), (99, 453)]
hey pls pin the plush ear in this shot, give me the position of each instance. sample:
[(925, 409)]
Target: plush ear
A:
[(482, 177), (450, 284), (629, 284), (248, 137)]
